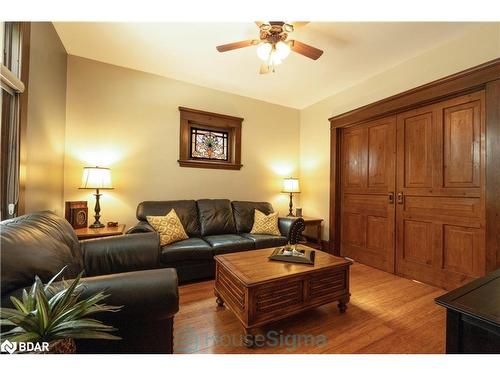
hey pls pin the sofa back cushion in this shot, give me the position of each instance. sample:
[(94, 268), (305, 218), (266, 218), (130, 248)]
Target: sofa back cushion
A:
[(185, 209), (216, 216), (40, 244), (244, 214)]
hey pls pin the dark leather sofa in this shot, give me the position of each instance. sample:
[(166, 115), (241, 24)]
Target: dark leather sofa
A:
[(214, 226), (125, 266)]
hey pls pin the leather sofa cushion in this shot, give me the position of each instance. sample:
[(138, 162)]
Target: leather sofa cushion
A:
[(186, 211), (263, 241), (244, 213), (229, 243), (190, 249), (216, 217), (40, 244)]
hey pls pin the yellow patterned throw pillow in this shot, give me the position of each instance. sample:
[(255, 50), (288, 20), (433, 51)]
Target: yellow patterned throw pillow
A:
[(265, 224), (169, 227)]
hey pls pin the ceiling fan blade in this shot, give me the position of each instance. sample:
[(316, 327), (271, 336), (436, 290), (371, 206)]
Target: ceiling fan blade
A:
[(236, 45), (264, 68), (298, 24), (305, 49)]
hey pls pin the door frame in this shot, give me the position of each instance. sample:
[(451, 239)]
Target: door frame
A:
[(482, 77)]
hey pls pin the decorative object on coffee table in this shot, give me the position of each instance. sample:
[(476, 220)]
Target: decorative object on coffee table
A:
[(261, 291), (76, 213), (291, 186), (293, 254), (298, 212), (107, 231), (97, 178), (57, 316)]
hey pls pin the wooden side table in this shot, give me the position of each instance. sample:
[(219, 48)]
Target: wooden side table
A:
[(88, 233), (315, 223)]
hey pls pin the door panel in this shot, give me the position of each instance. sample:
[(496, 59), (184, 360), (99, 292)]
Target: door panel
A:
[(417, 245), (354, 160), (353, 229), (458, 249), (462, 145), (377, 155), (375, 226), (440, 216), (417, 136), (368, 176)]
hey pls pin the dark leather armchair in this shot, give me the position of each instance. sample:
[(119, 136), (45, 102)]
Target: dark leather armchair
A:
[(125, 266)]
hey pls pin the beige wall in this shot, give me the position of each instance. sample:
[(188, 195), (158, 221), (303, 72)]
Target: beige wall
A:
[(46, 120), (478, 46), (129, 120)]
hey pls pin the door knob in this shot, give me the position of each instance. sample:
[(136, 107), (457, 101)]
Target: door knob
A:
[(391, 197), (400, 198)]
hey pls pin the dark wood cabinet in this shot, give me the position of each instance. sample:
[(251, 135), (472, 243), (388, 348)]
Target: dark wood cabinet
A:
[(473, 316)]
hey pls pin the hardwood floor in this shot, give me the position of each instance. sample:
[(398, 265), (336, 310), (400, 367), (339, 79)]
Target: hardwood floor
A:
[(386, 314)]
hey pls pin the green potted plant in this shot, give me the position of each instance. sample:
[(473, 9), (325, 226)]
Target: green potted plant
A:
[(48, 315)]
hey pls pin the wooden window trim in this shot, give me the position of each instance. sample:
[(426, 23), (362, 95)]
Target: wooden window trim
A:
[(25, 30), (193, 118), (23, 114)]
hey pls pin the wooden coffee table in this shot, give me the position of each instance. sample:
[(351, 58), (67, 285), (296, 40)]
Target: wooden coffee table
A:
[(260, 291)]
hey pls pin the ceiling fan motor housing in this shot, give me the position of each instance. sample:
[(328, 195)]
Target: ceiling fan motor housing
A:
[(273, 32)]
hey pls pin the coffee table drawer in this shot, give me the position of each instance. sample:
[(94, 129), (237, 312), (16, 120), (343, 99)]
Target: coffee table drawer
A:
[(278, 296), (326, 285)]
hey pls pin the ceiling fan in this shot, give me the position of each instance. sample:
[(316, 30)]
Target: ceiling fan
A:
[(273, 46)]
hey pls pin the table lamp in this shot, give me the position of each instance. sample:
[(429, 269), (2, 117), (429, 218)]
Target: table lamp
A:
[(96, 178), (291, 186)]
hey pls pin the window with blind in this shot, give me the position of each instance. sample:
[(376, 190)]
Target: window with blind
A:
[(15, 47)]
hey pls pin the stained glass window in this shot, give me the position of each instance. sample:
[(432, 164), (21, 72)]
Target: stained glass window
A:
[(207, 144)]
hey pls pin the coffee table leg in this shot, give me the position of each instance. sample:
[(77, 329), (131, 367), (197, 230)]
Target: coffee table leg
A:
[(248, 338), (342, 305)]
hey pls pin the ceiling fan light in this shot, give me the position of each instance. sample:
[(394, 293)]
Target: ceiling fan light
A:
[(275, 58), (263, 51), (282, 50)]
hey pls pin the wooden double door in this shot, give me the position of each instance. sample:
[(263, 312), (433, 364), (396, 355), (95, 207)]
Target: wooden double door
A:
[(412, 192)]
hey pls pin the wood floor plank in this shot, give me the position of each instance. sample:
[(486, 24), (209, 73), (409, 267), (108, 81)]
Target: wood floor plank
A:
[(386, 314)]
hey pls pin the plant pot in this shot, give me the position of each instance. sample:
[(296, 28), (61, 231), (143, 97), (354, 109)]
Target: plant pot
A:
[(62, 346)]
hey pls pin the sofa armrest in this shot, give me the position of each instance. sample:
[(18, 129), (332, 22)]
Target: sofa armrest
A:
[(141, 227), (147, 293), (291, 228), (121, 254), (149, 301), (151, 293)]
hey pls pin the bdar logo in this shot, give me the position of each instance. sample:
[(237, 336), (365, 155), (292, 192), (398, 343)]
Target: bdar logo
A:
[(8, 346)]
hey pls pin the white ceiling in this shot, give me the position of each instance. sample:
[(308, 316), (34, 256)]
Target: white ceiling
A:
[(186, 52)]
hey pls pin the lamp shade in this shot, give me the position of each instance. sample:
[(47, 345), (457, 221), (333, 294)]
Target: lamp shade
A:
[(291, 185), (96, 178)]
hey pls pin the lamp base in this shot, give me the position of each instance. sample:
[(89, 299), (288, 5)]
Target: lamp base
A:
[(290, 206), (97, 209)]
